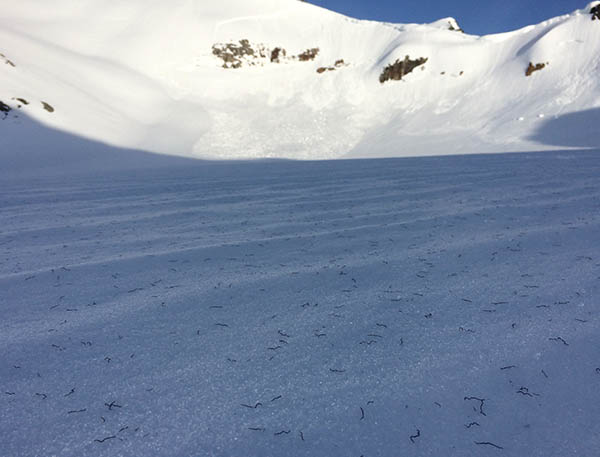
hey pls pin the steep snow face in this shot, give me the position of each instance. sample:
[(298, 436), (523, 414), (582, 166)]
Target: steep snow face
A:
[(234, 79)]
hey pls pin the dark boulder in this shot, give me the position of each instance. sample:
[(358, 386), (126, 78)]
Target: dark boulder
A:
[(595, 12)]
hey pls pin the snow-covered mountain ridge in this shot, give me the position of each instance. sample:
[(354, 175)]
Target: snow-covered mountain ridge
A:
[(283, 78)]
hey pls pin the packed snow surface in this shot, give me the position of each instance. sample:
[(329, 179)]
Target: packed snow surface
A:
[(143, 74), (426, 307), (432, 306)]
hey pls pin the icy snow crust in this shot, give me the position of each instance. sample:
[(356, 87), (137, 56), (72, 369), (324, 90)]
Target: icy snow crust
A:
[(141, 74), (430, 307)]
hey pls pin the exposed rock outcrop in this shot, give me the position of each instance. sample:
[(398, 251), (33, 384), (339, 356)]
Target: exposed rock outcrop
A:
[(233, 53), (454, 27), (243, 53), (277, 53), (531, 68), (48, 107), (338, 63), (400, 68), (309, 54), (324, 69), (595, 12), (21, 100), (7, 110), (6, 60), (4, 109)]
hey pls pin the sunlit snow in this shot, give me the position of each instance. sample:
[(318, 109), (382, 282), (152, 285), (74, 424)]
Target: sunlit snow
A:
[(142, 74)]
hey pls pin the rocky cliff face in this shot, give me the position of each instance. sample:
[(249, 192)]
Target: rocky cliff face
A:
[(397, 70), (243, 53)]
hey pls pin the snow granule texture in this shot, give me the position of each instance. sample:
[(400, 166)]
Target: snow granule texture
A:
[(427, 307)]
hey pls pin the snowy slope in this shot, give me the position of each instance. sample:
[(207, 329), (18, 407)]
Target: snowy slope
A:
[(142, 74), (444, 306)]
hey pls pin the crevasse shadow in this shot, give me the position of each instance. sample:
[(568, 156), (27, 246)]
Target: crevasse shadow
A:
[(579, 129)]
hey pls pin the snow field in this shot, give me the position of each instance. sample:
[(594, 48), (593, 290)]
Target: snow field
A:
[(432, 306)]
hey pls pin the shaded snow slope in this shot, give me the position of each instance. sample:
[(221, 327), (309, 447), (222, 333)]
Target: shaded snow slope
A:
[(142, 74), (413, 307), (44, 151)]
